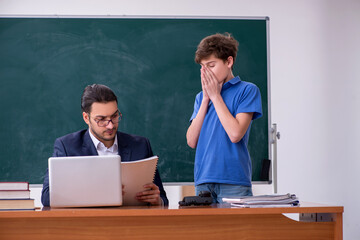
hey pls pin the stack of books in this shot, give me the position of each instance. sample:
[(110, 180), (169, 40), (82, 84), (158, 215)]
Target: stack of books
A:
[(15, 196), (285, 200)]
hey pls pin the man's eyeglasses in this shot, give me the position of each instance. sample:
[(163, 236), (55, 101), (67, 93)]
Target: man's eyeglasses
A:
[(116, 118)]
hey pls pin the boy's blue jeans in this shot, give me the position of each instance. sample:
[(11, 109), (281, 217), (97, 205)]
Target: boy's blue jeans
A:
[(220, 190)]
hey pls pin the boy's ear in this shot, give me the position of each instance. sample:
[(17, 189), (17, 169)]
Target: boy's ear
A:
[(230, 61)]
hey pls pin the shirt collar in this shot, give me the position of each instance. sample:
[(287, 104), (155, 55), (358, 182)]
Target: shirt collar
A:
[(101, 147), (233, 81)]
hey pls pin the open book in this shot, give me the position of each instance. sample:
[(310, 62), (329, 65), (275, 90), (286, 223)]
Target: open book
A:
[(134, 175)]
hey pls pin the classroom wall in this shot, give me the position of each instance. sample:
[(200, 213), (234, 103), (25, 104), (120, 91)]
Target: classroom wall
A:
[(314, 58)]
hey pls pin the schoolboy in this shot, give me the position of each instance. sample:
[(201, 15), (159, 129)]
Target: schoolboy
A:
[(220, 123)]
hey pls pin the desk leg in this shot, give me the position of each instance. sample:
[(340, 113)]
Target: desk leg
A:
[(339, 226), (326, 217)]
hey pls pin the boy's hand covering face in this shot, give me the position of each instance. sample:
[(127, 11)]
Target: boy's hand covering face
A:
[(210, 83), (205, 94)]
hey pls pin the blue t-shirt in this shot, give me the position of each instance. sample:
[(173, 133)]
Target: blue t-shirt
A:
[(217, 159)]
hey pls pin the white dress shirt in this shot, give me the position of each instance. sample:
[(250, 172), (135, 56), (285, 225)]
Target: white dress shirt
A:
[(102, 149)]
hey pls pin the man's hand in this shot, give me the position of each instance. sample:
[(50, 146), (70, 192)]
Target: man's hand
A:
[(151, 194)]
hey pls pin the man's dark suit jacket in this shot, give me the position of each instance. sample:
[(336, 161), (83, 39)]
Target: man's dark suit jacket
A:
[(131, 148)]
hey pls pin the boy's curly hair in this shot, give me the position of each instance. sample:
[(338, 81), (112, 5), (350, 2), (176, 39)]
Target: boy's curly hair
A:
[(221, 45)]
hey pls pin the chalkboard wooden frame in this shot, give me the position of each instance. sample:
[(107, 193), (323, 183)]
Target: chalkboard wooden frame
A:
[(46, 61)]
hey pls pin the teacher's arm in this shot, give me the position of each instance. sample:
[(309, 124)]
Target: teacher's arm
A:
[(157, 179), (58, 151)]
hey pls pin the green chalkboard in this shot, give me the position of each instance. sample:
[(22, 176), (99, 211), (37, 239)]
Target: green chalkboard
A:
[(45, 63)]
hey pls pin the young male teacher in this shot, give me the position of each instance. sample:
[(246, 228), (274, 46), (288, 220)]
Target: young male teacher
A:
[(100, 112)]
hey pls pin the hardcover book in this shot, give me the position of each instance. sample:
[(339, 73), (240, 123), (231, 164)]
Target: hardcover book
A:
[(17, 204), (14, 186), (14, 194)]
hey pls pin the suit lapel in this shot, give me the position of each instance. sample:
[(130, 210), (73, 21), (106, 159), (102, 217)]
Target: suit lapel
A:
[(88, 147), (124, 151)]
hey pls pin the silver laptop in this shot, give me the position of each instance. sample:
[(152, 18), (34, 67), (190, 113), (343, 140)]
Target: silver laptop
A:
[(86, 181)]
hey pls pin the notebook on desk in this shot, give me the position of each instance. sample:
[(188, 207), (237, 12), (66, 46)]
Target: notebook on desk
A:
[(86, 181)]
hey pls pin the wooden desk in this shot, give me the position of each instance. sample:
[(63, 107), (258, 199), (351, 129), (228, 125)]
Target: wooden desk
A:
[(215, 222)]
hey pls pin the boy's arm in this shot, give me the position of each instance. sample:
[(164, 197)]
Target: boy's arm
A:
[(193, 132), (234, 127)]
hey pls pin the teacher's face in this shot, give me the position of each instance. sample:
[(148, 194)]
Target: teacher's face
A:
[(99, 112)]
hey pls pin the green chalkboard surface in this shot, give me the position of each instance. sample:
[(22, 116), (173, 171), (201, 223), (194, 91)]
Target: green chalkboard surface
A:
[(45, 63)]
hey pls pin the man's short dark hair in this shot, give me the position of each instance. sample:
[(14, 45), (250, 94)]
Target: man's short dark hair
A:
[(96, 93), (221, 45)]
